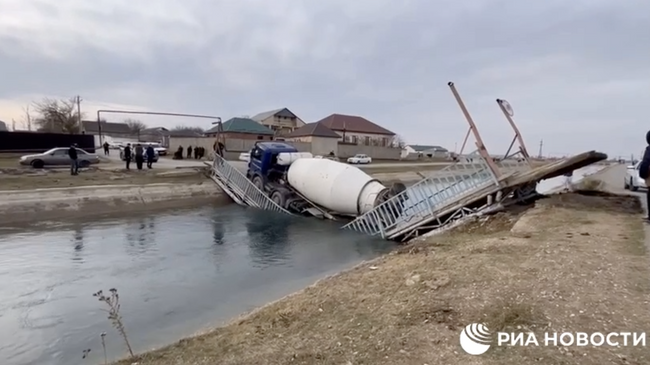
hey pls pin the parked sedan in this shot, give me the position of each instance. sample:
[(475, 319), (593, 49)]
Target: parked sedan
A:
[(632, 179), (360, 158), (58, 157)]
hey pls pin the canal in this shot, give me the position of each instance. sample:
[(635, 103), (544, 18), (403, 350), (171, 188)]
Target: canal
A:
[(177, 273)]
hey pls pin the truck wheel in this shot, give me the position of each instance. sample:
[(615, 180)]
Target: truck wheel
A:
[(279, 198), (257, 181)]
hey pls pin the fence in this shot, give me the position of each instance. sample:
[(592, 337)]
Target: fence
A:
[(40, 142), (235, 146)]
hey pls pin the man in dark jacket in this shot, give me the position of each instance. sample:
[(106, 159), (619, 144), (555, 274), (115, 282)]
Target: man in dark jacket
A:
[(106, 148), (74, 163), (127, 155), (189, 151), (150, 155), (139, 156), (644, 172)]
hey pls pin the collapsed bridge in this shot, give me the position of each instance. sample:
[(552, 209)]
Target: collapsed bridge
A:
[(476, 182)]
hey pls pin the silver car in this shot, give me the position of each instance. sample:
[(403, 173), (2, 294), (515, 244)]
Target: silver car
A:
[(58, 157)]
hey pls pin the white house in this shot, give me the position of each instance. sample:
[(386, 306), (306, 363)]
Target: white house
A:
[(424, 151)]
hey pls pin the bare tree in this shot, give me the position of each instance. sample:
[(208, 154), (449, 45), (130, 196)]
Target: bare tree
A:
[(398, 142), (135, 126), (57, 116), (28, 118)]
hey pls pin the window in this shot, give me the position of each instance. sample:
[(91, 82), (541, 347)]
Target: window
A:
[(355, 139), (367, 141), (60, 152), (260, 137)]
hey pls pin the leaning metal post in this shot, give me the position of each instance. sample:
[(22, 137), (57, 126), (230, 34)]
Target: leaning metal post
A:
[(494, 169), (518, 137)]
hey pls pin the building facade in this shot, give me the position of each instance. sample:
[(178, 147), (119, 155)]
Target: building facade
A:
[(280, 121)]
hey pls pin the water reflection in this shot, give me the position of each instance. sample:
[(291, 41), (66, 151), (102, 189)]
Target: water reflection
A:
[(141, 234), (268, 234), (78, 242)]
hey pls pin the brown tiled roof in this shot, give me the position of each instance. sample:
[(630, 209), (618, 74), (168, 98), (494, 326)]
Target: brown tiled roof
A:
[(351, 123), (313, 130)]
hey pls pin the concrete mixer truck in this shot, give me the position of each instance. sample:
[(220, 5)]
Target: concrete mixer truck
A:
[(320, 187)]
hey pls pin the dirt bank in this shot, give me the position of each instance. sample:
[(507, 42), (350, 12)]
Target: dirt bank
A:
[(571, 263)]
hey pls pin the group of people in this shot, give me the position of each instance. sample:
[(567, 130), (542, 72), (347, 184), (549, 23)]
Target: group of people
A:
[(140, 154), (198, 152)]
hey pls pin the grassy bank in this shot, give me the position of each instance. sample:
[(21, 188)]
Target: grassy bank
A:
[(571, 263)]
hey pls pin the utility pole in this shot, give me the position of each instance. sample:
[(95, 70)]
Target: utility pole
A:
[(541, 144), (79, 113)]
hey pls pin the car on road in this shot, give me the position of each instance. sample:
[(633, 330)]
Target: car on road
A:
[(632, 180), (360, 159), (155, 155), (58, 157)]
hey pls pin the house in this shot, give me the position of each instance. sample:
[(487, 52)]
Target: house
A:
[(109, 131), (424, 151), (281, 121), (242, 128), (323, 140), (358, 130)]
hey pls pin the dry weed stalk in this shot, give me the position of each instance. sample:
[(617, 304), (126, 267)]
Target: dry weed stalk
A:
[(103, 336), (113, 303)]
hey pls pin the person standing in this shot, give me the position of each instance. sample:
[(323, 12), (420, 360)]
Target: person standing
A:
[(106, 150), (150, 155), (74, 163), (139, 156), (644, 173), (568, 181), (189, 151), (127, 155)]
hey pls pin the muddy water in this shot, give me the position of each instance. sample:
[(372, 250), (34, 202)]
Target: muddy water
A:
[(176, 274)]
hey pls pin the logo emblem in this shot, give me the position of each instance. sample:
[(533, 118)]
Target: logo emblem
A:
[(475, 339)]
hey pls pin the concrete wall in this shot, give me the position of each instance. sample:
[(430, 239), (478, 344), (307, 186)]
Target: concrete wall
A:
[(323, 146), (375, 152), (318, 146)]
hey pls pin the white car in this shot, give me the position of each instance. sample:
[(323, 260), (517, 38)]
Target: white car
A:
[(360, 158), (632, 179)]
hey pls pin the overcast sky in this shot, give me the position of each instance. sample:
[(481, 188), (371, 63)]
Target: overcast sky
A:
[(577, 73)]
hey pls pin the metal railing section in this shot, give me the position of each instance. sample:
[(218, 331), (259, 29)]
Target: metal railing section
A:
[(421, 202), (240, 188)]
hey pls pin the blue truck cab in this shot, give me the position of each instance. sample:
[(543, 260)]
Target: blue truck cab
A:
[(263, 169)]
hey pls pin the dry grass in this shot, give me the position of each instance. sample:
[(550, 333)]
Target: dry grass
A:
[(572, 263)]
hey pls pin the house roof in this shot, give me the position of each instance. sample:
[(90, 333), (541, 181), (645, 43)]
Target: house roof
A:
[(313, 130), (351, 123), (264, 115), (242, 125), (422, 147), (90, 126)]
